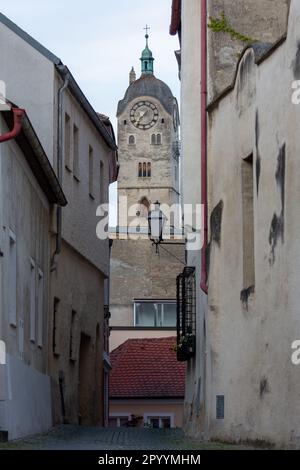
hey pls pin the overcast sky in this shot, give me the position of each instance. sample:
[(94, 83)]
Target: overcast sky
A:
[(100, 41)]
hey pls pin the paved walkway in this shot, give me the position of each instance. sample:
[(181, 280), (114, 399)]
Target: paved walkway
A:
[(97, 438)]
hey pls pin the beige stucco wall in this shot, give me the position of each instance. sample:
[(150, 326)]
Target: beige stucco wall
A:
[(262, 20), (79, 287), (138, 273), (141, 408), (250, 341), (119, 336)]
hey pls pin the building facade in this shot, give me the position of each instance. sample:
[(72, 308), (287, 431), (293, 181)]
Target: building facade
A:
[(241, 383), (29, 191), (82, 150), (143, 285)]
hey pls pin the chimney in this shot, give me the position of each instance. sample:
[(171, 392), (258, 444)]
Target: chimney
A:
[(132, 76)]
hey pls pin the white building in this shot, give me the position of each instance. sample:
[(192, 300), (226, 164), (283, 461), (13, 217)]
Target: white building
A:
[(29, 189), (241, 383), (82, 150)]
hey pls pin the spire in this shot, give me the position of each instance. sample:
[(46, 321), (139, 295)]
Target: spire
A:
[(132, 76), (147, 57)]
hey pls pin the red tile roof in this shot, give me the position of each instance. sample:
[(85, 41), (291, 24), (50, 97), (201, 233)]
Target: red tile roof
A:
[(146, 368)]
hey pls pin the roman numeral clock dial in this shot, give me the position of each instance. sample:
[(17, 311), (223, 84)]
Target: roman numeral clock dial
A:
[(144, 115)]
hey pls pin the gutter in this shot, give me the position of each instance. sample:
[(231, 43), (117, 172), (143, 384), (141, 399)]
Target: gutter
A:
[(18, 114), (203, 283), (60, 131)]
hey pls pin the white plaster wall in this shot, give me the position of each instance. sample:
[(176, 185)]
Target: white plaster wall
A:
[(29, 76), (79, 216), (251, 347), (28, 408), (195, 398)]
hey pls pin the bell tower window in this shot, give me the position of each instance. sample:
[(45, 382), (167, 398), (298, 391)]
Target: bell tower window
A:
[(131, 140), (144, 170)]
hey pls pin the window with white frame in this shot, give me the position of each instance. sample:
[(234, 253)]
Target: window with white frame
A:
[(32, 301), (40, 306), (155, 313), (12, 279), (119, 420), (159, 420)]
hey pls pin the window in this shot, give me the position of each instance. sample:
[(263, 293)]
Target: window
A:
[(32, 301), (131, 140), (76, 152), (155, 314), (125, 122), (55, 345), (144, 169), (186, 314), (248, 223), (72, 351), (12, 285), (40, 305), (67, 142), (119, 421), (158, 421), (91, 172), (162, 121), (101, 180), (156, 139), (140, 170)]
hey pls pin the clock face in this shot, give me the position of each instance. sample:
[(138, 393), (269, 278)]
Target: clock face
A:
[(144, 115)]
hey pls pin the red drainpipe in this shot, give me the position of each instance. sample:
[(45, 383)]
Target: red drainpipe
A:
[(203, 284), (18, 118)]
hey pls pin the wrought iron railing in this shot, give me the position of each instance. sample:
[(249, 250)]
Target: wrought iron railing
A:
[(186, 314)]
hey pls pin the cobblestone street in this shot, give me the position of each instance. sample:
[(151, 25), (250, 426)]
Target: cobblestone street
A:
[(97, 438)]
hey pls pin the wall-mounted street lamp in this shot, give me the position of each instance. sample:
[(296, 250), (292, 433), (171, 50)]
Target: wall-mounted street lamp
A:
[(156, 223)]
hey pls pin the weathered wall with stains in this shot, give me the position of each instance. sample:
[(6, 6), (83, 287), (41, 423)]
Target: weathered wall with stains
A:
[(262, 20), (251, 328)]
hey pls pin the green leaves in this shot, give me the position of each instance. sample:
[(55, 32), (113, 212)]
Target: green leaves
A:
[(222, 25)]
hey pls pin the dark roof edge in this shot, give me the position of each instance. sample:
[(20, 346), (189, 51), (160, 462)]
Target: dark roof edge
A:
[(258, 60), (37, 159), (29, 39), (86, 106)]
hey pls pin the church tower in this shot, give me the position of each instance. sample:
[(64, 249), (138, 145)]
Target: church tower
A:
[(143, 284), (148, 138)]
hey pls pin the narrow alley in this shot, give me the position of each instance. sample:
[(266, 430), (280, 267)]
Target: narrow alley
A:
[(98, 438)]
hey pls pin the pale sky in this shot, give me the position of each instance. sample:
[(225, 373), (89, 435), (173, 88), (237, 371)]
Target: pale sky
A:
[(100, 41)]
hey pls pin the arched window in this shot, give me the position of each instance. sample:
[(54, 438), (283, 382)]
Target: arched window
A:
[(131, 140), (158, 139), (153, 139), (144, 169), (146, 65), (140, 170)]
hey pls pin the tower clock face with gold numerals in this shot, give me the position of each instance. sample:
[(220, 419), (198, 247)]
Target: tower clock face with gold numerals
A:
[(144, 115)]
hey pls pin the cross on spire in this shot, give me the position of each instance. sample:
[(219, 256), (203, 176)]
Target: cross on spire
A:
[(147, 28)]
